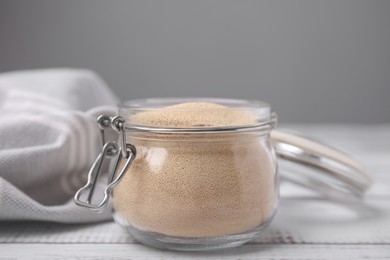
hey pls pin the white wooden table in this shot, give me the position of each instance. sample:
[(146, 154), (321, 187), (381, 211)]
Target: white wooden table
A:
[(305, 227)]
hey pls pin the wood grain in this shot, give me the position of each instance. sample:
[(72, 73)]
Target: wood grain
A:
[(135, 251)]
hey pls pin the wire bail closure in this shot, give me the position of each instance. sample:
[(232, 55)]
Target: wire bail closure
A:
[(110, 149)]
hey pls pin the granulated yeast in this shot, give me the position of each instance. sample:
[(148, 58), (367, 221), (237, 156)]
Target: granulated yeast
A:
[(197, 185), (195, 114)]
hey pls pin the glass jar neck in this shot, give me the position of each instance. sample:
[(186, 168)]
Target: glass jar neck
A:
[(193, 113)]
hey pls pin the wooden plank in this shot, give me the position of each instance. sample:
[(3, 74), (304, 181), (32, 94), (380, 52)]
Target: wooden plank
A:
[(44, 232), (299, 220), (320, 221), (134, 251)]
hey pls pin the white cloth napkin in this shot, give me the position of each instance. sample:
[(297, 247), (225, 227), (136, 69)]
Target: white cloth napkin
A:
[(48, 141)]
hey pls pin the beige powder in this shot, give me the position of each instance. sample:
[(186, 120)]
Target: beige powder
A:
[(197, 185), (195, 114)]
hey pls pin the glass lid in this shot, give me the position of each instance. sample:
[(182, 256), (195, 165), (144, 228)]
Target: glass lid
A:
[(319, 167)]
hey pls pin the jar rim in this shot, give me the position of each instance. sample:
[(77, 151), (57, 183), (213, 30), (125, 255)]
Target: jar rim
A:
[(266, 126), (260, 111), (156, 103)]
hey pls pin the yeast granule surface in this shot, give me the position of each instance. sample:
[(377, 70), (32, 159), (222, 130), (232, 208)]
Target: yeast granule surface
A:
[(195, 114), (197, 185)]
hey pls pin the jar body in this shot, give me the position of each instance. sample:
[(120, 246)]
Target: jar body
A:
[(198, 191), (201, 173)]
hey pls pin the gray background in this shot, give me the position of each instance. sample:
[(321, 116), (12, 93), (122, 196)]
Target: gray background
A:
[(314, 61)]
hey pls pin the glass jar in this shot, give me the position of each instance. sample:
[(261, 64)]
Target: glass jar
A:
[(198, 174)]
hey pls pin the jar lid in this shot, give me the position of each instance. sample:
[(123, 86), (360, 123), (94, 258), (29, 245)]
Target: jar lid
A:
[(319, 167)]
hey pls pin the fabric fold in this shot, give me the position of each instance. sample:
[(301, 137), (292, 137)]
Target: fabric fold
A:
[(48, 141)]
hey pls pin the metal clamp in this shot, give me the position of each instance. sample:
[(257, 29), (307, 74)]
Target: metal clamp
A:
[(110, 149)]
